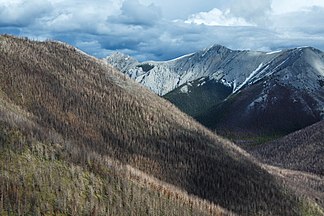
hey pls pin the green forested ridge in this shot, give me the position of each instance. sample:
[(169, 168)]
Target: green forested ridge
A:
[(236, 119), (101, 114), (202, 95)]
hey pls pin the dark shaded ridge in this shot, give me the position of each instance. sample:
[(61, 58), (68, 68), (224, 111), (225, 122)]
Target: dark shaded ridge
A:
[(302, 150), (146, 67), (279, 113), (201, 96)]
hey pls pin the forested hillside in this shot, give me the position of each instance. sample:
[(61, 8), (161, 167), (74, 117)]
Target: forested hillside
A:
[(76, 135)]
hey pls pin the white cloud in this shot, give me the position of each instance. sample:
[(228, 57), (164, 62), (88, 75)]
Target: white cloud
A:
[(287, 6), (307, 22), (216, 17), (256, 11), (181, 9), (135, 13), (145, 28), (22, 12)]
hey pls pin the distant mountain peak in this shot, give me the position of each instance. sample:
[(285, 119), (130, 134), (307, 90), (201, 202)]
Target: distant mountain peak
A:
[(231, 67), (120, 55), (217, 47), (121, 61), (296, 73)]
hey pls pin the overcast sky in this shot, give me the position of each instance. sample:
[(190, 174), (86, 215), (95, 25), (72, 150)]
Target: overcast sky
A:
[(165, 29)]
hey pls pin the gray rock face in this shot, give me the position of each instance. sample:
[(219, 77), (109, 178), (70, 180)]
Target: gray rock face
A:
[(233, 68), (300, 69)]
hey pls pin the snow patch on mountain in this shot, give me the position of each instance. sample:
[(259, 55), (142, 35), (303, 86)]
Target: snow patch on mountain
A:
[(273, 52), (248, 78), (301, 69), (201, 84), (319, 66), (184, 89), (181, 57), (260, 101)]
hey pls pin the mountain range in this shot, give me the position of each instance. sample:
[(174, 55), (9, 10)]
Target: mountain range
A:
[(238, 92), (78, 137)]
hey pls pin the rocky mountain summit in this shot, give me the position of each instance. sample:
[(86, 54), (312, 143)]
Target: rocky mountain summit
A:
[(281, 90)]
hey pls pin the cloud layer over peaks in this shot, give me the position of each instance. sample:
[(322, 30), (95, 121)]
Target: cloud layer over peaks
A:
[(216, 17), (165, 29)]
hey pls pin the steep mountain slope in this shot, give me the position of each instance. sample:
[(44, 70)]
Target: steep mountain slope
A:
[(71, 115), (302, 150), (289, 99), (224, 65), (268, 89), (197, 97), (45, 174), (263, 110)]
